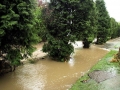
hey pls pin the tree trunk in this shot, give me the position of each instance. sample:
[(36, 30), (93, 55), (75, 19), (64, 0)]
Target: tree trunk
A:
[(86, 44)]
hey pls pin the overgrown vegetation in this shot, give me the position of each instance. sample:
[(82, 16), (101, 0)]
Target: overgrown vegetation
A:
[(17, 32), (40, 25)]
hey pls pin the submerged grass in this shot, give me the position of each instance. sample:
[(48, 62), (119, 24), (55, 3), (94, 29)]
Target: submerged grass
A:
[(85, 83), (32, 61)]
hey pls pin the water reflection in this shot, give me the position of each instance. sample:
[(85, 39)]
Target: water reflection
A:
[(71, 62), (78, 44)]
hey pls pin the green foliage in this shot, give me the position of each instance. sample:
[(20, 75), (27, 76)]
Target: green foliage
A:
[(103, 32), (40, 23), (14, 56), (85, 21), (115, 27), (59, 28), (67, 21), (118, 31), (17, 30), (58, 49)]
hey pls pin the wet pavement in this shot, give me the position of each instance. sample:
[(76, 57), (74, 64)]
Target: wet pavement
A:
[(113, 44), (114, 82), (100, 75), (111, 84), (106, 80)]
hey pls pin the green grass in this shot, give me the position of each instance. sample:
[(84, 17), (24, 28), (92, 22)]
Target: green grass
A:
[(103, 64)]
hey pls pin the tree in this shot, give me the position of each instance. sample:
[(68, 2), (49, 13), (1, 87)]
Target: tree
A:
[(40, 23), (59, 25), (103, 32), (85, 21), (114, 28), (17, 32), (118, 31), (69, 20)]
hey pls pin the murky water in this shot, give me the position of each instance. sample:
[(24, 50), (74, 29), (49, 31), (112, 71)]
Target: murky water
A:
[(47, 74)]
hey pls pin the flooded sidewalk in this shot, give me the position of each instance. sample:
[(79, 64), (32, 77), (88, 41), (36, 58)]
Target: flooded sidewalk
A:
[(113, 44), (47, 74), (105, 75)]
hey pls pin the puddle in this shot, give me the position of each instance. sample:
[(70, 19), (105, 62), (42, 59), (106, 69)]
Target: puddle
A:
[(100, 76)]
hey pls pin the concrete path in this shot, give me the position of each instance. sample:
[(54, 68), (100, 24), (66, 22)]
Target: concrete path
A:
[(112, 83)]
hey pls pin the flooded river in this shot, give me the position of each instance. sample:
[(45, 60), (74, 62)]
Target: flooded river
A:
[(47, 74)]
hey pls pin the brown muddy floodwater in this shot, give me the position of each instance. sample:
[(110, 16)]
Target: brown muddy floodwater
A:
[(47, 74)]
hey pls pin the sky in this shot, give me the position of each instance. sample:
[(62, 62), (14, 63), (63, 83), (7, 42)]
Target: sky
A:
[(113, 8)]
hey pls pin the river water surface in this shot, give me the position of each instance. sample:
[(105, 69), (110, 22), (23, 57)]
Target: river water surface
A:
[(47, 74)]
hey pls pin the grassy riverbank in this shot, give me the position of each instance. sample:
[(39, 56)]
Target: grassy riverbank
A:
[(103, 64)]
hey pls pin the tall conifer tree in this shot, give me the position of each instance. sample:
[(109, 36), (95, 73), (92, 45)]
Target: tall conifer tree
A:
[(17, 33), (114, 28), (59, 30), (69, 20), (103, 31), (85, 21)]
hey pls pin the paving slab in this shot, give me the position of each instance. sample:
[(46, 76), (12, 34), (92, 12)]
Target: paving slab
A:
[(99, 75), (110, 84)]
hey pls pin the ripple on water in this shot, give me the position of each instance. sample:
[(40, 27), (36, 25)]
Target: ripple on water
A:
[(32, 77)]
